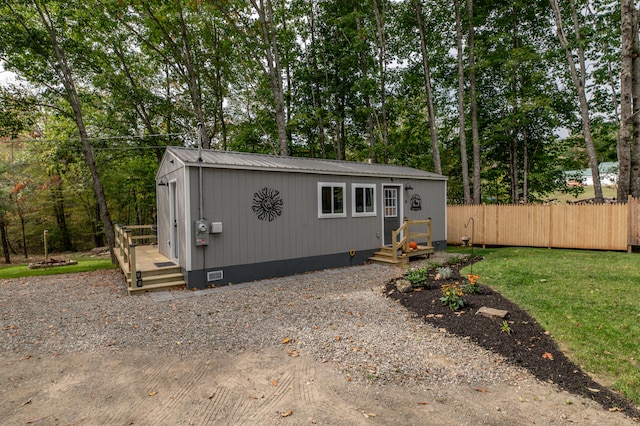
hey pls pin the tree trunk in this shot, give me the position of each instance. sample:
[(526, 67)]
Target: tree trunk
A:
[(60, 214), (582, 99), (475, 134), (626, 76), (272, 56), (65, 75), (634, 178), (5, 240), (371, 133), (437, 168), (382, 64), (461, 121)]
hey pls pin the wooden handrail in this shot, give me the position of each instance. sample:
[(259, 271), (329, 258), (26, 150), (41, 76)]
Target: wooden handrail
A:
[(403, 243), (126, 244)]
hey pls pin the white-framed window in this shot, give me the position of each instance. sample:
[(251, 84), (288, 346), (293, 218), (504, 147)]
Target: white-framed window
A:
[(331, 199), (363, 199), (390, 202)]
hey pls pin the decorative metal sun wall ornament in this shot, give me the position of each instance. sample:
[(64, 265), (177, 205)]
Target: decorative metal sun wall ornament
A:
[(267, 204)]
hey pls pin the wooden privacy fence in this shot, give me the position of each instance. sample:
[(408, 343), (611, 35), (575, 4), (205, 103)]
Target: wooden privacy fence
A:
[(581, 226)]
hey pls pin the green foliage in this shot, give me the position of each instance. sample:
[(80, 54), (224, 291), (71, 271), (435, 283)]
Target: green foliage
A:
[(588, 300), (471, 286), (416, 276), (505, 327), (452, 296), (445, 272)]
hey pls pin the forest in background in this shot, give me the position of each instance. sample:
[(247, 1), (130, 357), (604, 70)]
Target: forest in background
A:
[(501, 96)]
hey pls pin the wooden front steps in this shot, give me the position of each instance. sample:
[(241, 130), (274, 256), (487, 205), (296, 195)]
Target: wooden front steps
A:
[(144, 267), (163, 278), (385, 255)]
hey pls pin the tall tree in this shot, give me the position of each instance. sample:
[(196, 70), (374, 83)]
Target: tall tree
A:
[(461, 116), (43, 45), (437, 167), (473, 105), (578, 76)]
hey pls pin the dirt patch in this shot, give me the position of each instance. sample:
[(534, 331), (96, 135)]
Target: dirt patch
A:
[(521, 340)]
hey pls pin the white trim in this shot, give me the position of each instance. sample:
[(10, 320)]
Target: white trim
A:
[(188, 235), (174, 233), (355, 186), (332, 185), (400, 207)]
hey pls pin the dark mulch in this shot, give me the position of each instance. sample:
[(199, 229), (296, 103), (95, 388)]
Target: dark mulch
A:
[(528, 345)]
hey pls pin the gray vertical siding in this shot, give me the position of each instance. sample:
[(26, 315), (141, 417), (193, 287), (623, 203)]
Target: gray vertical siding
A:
[(298, 232)]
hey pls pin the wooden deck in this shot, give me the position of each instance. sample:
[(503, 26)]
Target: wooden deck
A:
[(142, 264), (399, 253)]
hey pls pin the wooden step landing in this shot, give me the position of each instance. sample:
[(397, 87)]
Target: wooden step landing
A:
[(385, 255), (169, 278)]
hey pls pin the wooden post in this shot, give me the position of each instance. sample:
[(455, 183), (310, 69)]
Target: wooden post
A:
[(132, 267), (405, 245), (429, 244), (394, 248), (629, 224), (46, 254)]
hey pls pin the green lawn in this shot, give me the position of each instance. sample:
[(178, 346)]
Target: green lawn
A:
[(85, 264), (607, 192), (588, 300)]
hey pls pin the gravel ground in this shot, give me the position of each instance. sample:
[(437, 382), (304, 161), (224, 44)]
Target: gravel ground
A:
[(334, 316)]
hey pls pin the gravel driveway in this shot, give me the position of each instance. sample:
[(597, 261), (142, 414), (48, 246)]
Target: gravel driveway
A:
[(368, 360)]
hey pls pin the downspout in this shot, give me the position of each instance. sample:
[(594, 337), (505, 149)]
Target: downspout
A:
[(200, 184)]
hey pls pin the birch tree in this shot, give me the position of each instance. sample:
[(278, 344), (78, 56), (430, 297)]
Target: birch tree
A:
[(578, 76)]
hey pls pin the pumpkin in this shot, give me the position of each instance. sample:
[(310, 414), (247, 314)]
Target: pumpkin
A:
[(413, 245)]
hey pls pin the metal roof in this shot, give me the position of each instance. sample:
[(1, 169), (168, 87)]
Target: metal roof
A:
[(249, 161)]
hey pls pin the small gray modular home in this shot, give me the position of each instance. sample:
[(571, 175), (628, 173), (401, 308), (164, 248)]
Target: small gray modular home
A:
[(230, 217)]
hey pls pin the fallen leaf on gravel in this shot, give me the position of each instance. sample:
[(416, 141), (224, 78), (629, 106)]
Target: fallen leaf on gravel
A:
[(337, 338), (369, 415), (483, 390), (594, 390), (430, 315), (423, 403), (30, 422), (360, 324), (286, 340), (286, 413), (28, 401), (293, 353), (274, 382), (615, 409), (547, 355), (153, 393), (443, 330), (26, 357)]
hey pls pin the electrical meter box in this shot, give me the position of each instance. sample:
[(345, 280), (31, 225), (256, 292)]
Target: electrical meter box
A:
[(202, 233)]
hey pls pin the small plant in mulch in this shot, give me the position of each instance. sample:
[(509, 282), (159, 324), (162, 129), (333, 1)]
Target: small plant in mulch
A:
[(505, 327), (471, 286), (416, 276), (444, 272), (452, 296)]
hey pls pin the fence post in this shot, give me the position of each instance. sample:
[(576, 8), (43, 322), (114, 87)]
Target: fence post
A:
[(629, 224)]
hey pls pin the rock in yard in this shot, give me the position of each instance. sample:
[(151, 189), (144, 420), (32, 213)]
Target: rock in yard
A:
[(492, 313), (404, 286)]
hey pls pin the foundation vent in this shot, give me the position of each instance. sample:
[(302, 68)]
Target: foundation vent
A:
[(214, 275)]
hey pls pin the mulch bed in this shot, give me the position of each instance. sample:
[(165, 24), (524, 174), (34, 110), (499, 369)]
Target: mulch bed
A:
[(528, 345)]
